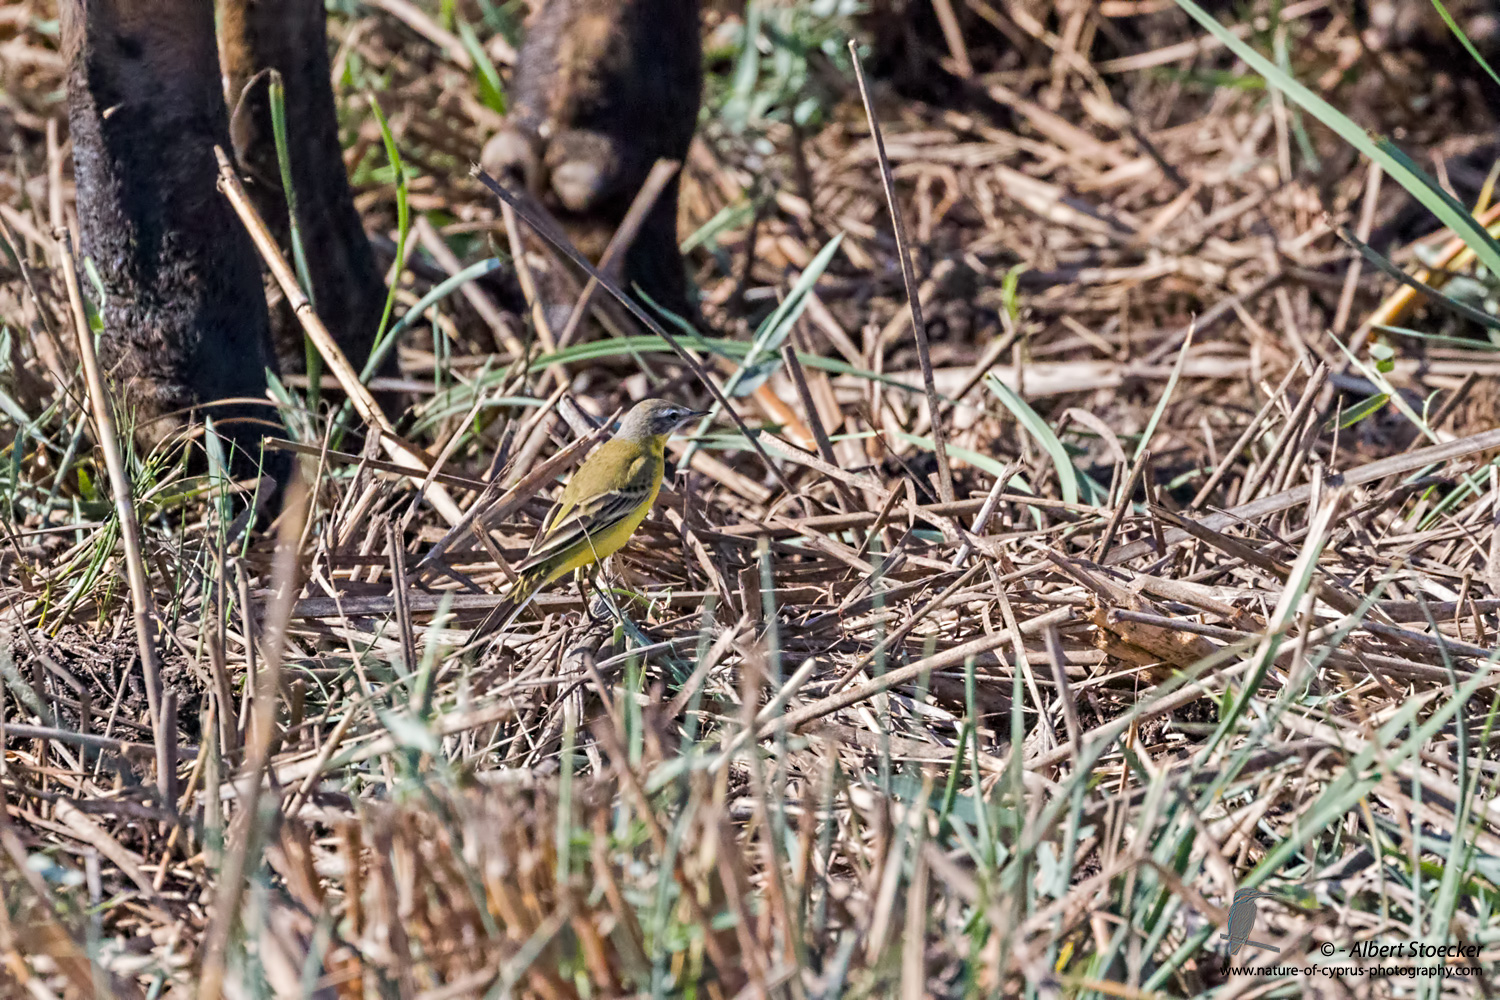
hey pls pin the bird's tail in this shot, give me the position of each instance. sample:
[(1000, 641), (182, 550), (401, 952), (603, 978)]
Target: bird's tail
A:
[(520, 596)]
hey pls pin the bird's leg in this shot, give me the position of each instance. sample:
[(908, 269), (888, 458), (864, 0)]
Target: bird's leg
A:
[(585, 578), (580, 578)]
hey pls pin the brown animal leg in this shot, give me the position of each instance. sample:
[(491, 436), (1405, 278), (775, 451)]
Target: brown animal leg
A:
[(290, 37), (184, 313), (602, 90)]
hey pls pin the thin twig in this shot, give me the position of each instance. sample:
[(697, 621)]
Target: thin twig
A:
[(1226, 463), (130, 531), (815, 423), (924, 351), (619, 244)]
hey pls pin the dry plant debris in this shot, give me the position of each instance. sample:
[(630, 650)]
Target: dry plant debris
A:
[(1195, 620)]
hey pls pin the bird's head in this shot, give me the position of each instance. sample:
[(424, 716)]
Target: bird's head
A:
[(655, 418)]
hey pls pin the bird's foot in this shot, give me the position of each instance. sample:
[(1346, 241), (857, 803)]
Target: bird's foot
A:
[(599, 611)]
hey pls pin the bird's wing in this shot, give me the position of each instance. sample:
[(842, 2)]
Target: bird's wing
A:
[(582, 512)]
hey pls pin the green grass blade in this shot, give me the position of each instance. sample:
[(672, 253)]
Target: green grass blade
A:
[(1467, 343), (1358, 412), (762, 357), (1396, 399), (729, 217), (736, 111), (491, 90), (1380, 261), (403, 214), (1300, 578), (1418, 184), (776, 326), (974, 458), (1166, 397), (1453, 27), (439, 292), (734, 350), (277, 95), (1067, 476)]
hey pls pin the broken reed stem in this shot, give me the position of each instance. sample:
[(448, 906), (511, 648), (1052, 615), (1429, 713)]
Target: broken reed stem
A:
[(1289, 431), (130, 531), (1356, 261), (1394, 466), (619, 244), (1226, 462), (815, 423), (908, 276), (364, 404), (1452, 399), (1123, 504), (529, 289), (124, 748), (487, 510), (266, 685), (530, 212), (904, 675), (986, 511), (890, 641)]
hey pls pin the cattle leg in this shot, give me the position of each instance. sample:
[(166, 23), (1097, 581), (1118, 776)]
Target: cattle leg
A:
[(290, 37), (184, 312), (601, 91)]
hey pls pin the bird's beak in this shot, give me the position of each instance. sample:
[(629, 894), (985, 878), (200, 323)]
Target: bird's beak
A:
[(691, 415)]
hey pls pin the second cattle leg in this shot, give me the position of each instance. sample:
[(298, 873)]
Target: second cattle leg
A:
[(290, 36), (602, 90)]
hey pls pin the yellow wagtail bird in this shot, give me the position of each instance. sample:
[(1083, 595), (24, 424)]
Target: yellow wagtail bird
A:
[(600, 508)]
